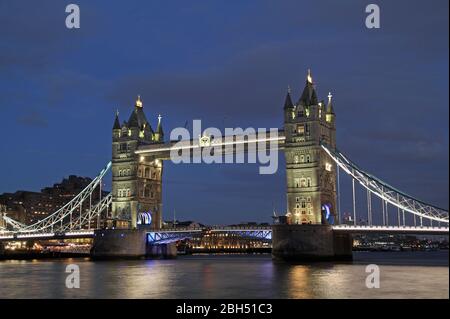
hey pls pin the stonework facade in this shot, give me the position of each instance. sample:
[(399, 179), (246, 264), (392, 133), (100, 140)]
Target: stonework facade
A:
[(136, 180), (311, 174)]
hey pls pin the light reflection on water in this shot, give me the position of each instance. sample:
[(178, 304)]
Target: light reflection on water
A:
[(403, 275)]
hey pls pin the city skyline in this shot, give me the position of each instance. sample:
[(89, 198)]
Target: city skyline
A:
[(239, 83)]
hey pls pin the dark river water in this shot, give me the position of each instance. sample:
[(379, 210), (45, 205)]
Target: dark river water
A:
[(402, 275)]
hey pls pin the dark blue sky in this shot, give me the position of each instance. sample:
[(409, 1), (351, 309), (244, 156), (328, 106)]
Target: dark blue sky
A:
[(223, 62)]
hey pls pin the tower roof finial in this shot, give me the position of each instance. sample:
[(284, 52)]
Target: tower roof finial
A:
[(330, 108), (138, 101), (289, 89), (309, 77)]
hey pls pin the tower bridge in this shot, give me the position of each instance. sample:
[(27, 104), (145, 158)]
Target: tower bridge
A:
[(311, 225)]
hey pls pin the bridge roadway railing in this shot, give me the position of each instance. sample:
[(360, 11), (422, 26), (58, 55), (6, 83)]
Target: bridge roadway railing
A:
[(429, 230)]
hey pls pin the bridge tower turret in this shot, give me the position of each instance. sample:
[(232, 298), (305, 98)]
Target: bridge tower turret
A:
[(310, 173), (136, 180)]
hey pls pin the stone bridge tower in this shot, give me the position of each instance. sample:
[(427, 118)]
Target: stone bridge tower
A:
[(136, 180), (311, 174)]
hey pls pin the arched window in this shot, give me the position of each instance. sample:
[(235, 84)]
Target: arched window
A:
[(146, 172), (308, 159), (128, 192), (302, 158), (119, 193), (128, 172), (120, 173), (309, 183), (296, 159), (303, 182)]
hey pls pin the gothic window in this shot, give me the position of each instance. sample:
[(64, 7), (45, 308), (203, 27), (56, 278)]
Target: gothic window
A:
[(296, 159), (128, 172), (309, 183), (297, 199), (307, 112), (302, 158), (300, 112), (120, 173), (303, 204), (301, 129), (146, 172), (297, 182), (147, 191), (128, 192), (308, 158), (140, 172), (152, 195)]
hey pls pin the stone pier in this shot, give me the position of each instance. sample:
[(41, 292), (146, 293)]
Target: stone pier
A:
[(128, 243), (310, 243)]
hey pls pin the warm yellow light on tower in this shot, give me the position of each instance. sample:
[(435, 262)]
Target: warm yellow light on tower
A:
[(309, 77), (139, 101)]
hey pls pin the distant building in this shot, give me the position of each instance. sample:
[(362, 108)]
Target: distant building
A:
[(183, 224), (29, 207)]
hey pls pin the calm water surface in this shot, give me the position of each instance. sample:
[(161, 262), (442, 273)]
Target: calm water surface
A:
[(403, 275)]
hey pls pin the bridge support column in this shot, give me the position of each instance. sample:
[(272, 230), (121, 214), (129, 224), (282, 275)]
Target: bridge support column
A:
[(162, 250), (128, 243), (119, 243), (310, 243)]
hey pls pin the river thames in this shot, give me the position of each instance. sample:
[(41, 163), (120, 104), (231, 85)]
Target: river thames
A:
[(402, 275)]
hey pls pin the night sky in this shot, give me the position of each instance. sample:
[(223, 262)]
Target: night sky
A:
[(226, 63)]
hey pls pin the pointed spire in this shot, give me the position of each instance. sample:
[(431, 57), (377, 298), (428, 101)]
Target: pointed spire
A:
[(309, 96), (116, 121), (138, 101), (288, 102), (330, 109), (309, 78), (159, 129)]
